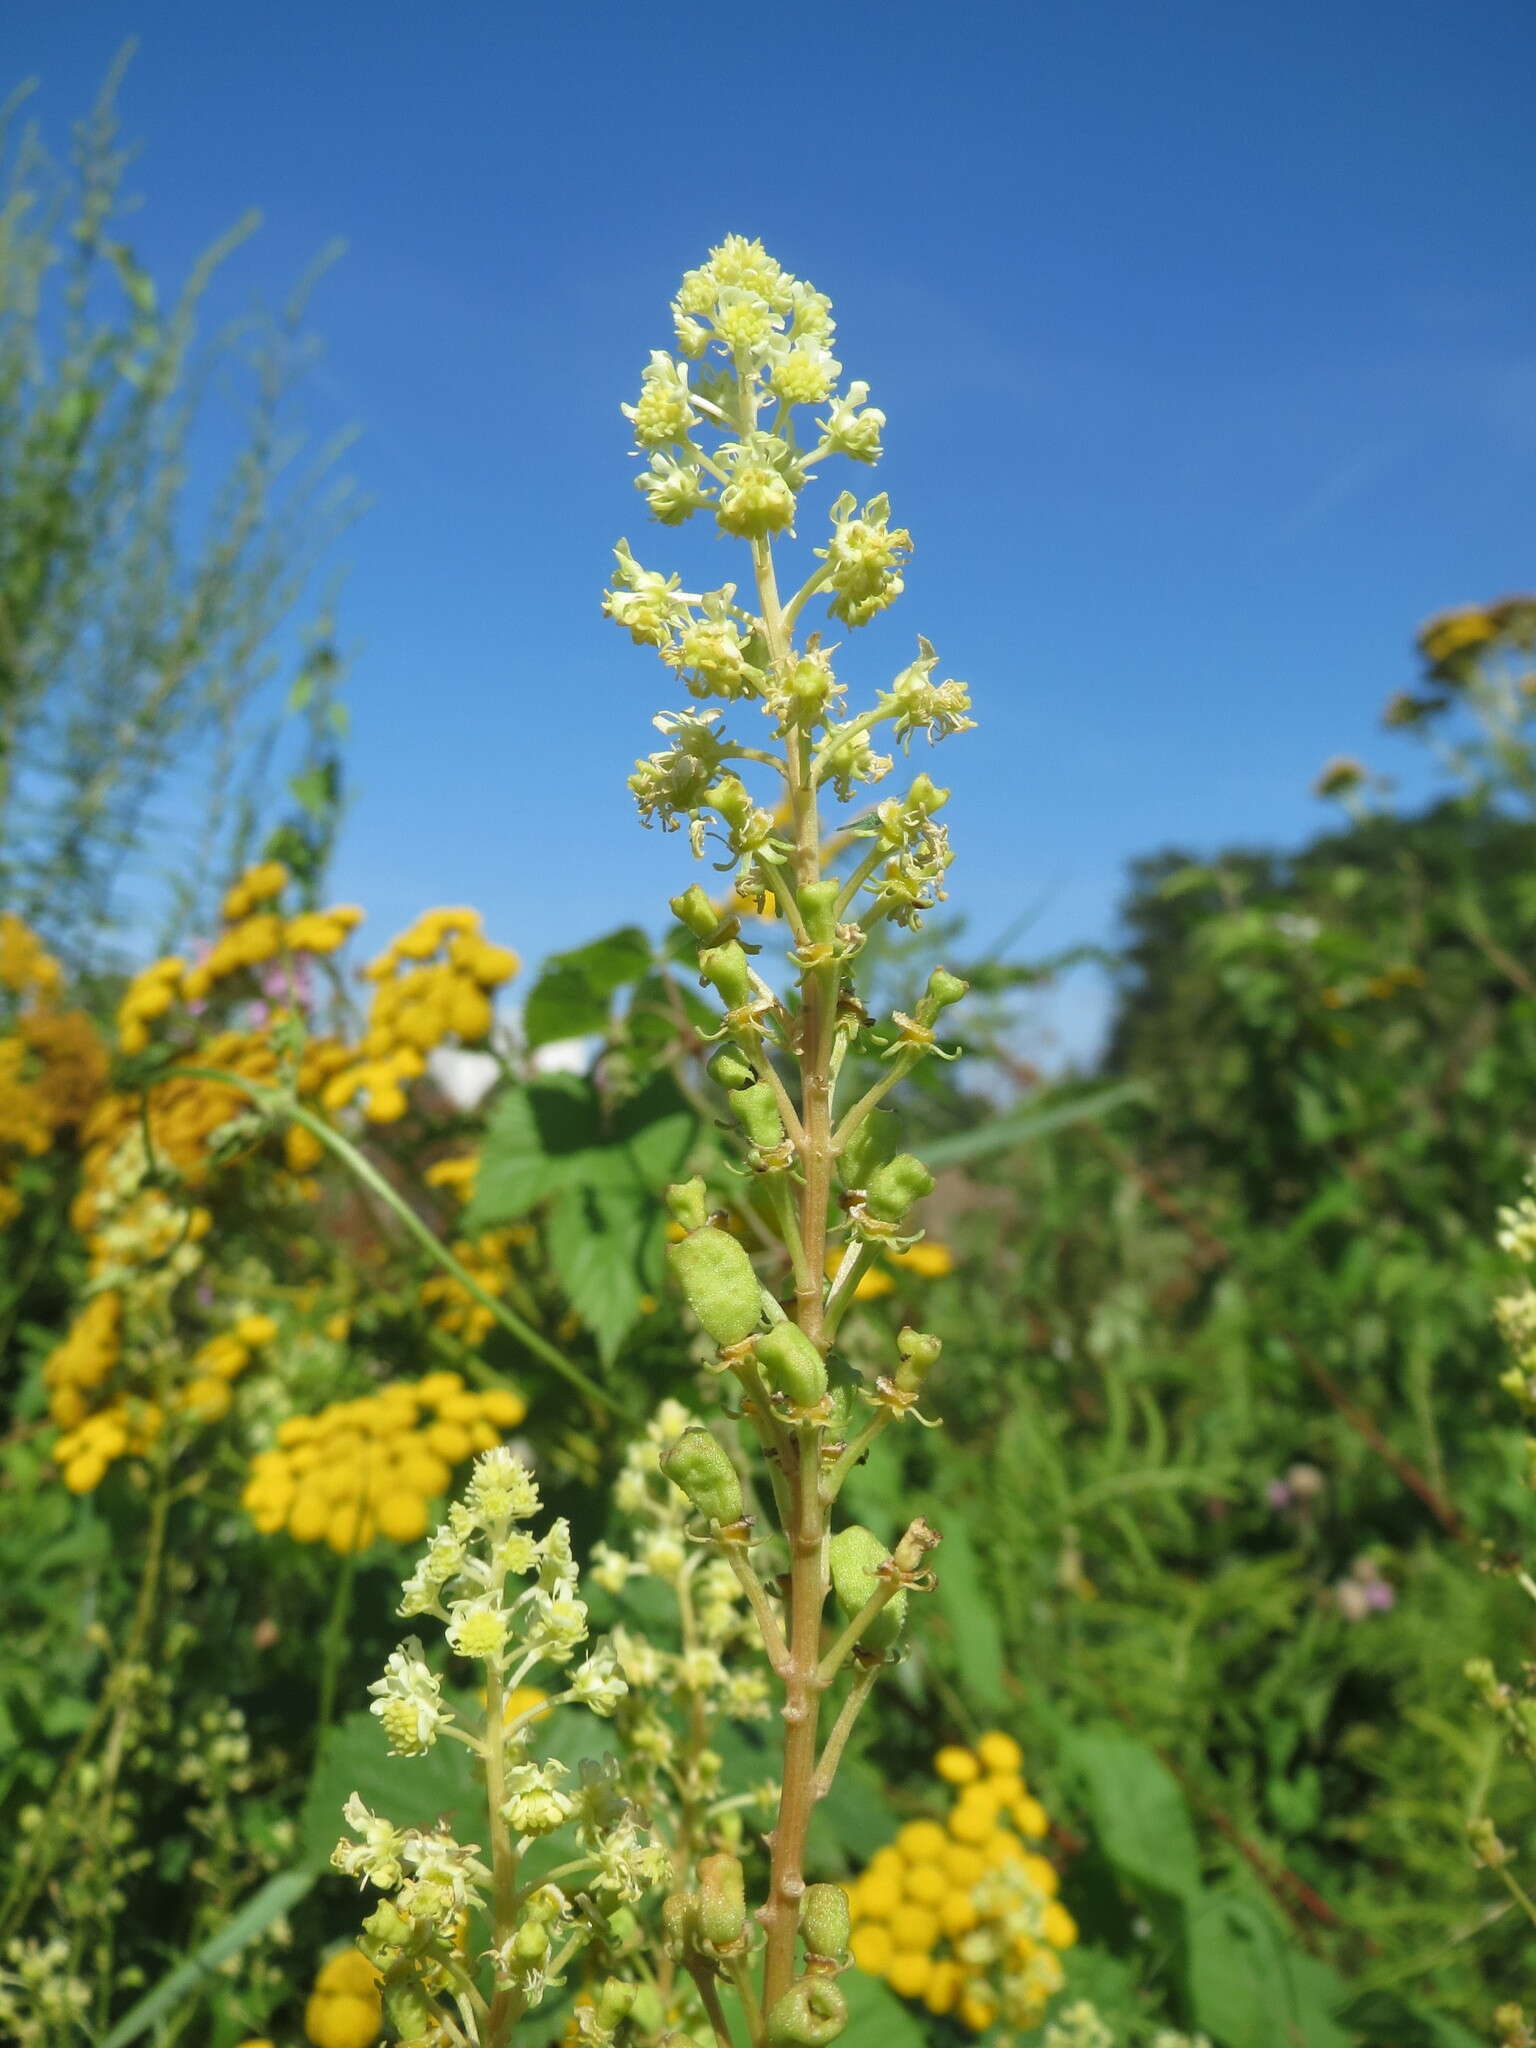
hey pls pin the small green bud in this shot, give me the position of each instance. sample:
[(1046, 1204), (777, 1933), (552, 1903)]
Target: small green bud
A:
[(718, 1283), (615, 2003), (728, 1069), (412, 2013), (818, 901), (530, 1944), (680, 1923), (944, 989), (733, 800), (722, 1901), (688, 1203), (694, 909), (699, 1466), (919, 1354), (924, 795), (757, 501), (757, 1110), (894, 1187), (725, 968), (792, 1365), (825, 1921), (871, 1144), (853, 1556), (387, 1926), (811, 2013)]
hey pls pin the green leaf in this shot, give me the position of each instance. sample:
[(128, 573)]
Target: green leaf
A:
[(1249, 1988), (280, 1894), (975, 1638), (854, 1820), (1138, 1813), (574, 992), (552, 1136), (415, 1793), (877, 2018), (1107, 1981), (597, 1239), (530, 1141), (1003, 1133)]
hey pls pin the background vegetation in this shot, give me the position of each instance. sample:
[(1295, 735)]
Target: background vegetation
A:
[(1229, 1478)]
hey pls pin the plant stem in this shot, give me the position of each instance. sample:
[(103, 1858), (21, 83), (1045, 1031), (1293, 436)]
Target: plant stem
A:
[(806, 1521), (709, 1998), (335, 1638), (842, 1727), (503, 1859)]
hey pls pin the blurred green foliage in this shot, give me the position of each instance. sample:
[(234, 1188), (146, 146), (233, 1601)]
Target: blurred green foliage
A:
[(156, 597)]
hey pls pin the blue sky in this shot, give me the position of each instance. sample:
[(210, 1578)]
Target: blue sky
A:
[(1205, 333)]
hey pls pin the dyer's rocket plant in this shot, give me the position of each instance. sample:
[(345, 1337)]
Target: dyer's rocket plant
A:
[(737, 425)]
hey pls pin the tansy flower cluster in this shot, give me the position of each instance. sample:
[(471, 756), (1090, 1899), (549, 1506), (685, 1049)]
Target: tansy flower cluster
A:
[(431, 984), (26, 965), (963, 1914), (487, 1257), (52, 1062), (255, 932), (183, 1115), (345, 2010), (367, 1468), (130, 1422)]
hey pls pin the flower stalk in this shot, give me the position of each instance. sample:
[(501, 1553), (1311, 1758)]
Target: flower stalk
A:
[(763, 339)]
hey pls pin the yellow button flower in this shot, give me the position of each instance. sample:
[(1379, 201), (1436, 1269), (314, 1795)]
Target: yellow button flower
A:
[(999, 1753), (914, 1927), (1060, 1927), (956, 1766), (908, 1972), (872, 1948), (921, 1841)]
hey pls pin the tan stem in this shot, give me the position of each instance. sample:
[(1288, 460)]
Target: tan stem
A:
[(805, 1525)]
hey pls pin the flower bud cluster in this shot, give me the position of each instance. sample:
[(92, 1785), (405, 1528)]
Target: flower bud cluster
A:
[(510, 1602), (764, 338)]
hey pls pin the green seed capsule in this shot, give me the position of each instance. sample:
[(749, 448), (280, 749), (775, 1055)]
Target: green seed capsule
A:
[(722, 1900), (694, 909), (615, 2003), (925, 795), (853, 1555), (825, 1921), (688, 1203), (698, 1465), (728, 1069), (792, 1365), (944, 988), (818, 900), (412, 2013), (893, 1188), (757, 1110), (725, 969), (919, 1354), (811, 2013), (718, 1283), (680, 1923), (870, 1146)]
